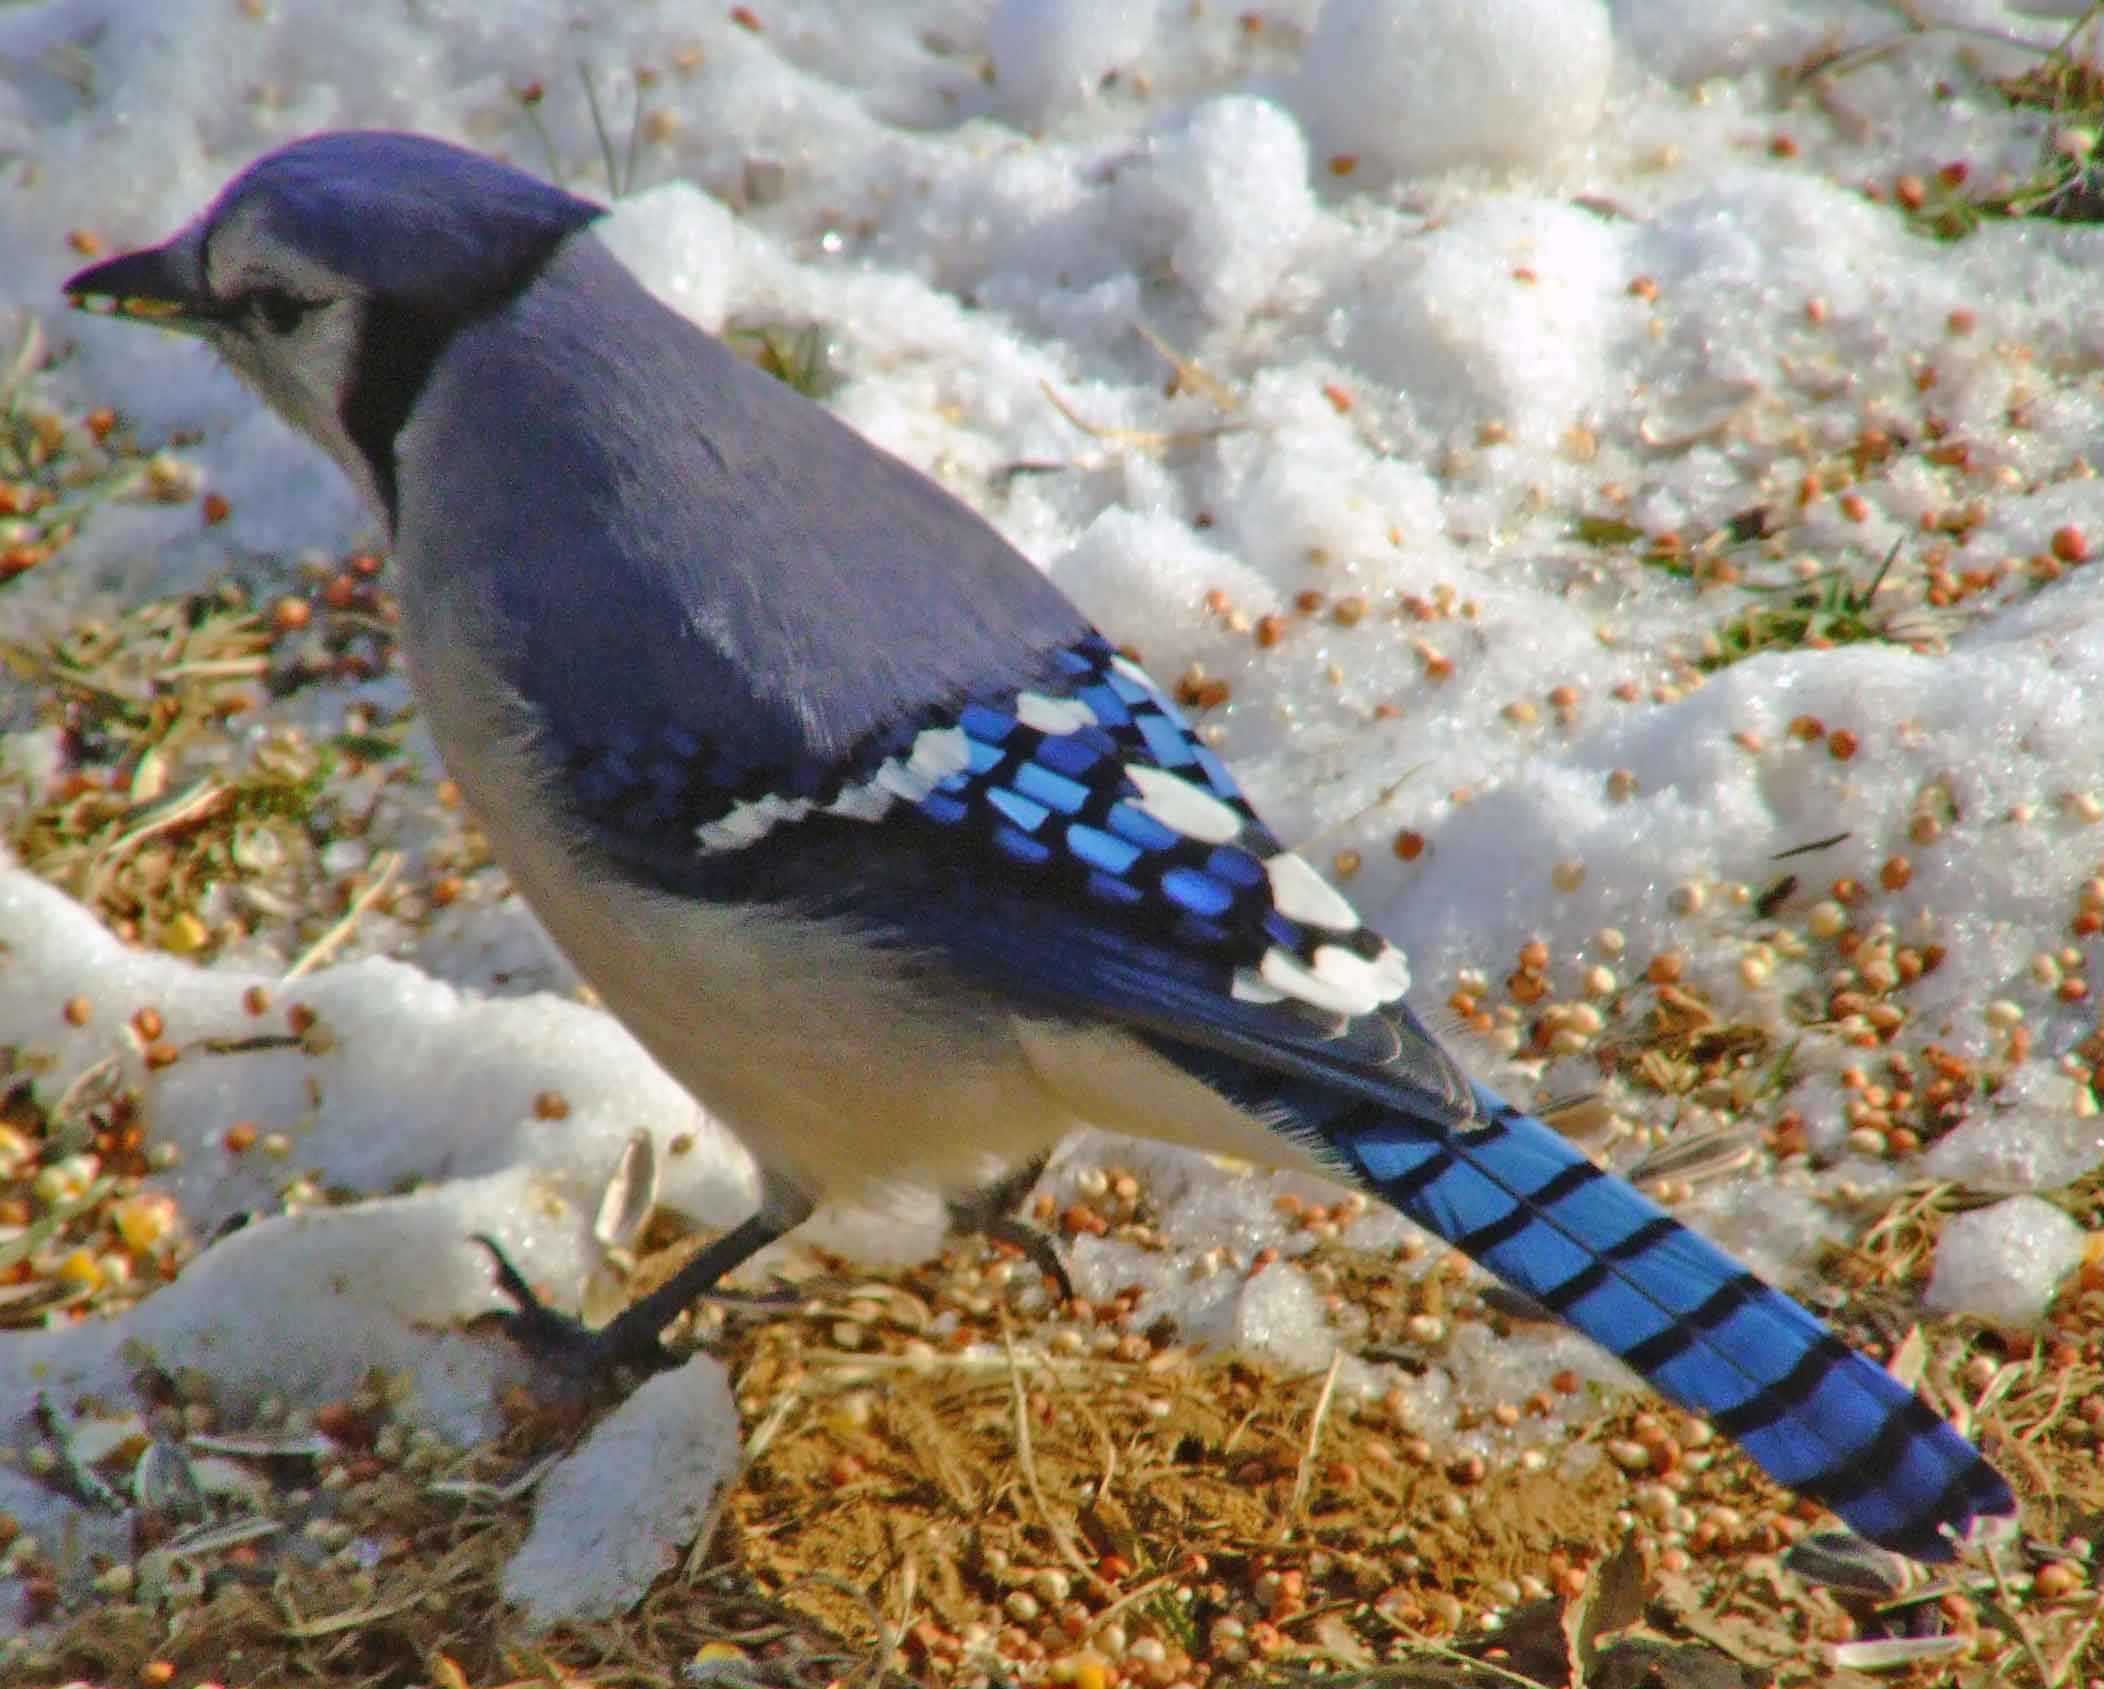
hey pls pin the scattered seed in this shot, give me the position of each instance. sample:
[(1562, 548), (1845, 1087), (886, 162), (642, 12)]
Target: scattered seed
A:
[(2057, 1579), (1827, 919)]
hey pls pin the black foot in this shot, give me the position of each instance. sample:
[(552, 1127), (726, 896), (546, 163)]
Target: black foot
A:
[(631, 1341), (565, 1346), (991, 1212), (1037, 1247)]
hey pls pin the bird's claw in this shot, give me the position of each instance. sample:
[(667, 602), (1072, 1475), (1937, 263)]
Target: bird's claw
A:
[(566, 1346)]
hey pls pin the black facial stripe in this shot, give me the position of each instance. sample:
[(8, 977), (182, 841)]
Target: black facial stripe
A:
[(398, 345), (396, 351)]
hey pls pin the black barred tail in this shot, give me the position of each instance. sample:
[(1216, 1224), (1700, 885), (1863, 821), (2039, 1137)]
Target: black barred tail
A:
[(1707, 1333)]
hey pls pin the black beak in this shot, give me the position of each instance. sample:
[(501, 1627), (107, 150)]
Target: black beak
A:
[(153, 285)]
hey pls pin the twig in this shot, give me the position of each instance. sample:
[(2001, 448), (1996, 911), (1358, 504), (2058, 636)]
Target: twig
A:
[(1815, 845), (530, 103), (606, 141), (1380, 800), (1146, 439), (2014, 1608), (1304, 1474), (1026, 1458), (1129, 1598), (331, 941), (2081, 1639), (764, 1433), (82, 1082), (1855, 58), (1440, 1651), (1188, 373), (909, 1586), (199, 801)]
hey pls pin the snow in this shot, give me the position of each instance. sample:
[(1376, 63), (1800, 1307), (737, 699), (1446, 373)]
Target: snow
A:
[(1052, 54), (1503, 84), (2004, 1263), (611, 1516)]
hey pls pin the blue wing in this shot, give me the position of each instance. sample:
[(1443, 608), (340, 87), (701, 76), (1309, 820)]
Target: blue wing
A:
[(1071, 846), (1067, 842)]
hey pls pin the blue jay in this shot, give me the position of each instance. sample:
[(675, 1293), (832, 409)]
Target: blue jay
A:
[(873, 841)]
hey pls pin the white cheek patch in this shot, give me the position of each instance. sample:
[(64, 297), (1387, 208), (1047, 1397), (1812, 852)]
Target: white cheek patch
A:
[(1053, 715), (1301, 894), (1183, 808)]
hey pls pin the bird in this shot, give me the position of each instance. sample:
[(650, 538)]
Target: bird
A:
[(884, 851)]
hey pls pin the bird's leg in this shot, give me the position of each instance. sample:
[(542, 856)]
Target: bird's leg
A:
[(991, 1212), (632, 1337), (1035, 1243)]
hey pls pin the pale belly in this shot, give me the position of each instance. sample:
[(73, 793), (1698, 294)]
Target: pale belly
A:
[(842, 1073)]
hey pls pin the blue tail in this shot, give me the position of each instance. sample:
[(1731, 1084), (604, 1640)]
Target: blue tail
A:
[(1707, 1333)]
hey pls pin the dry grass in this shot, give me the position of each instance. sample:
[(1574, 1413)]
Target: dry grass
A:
[(914, 1513)]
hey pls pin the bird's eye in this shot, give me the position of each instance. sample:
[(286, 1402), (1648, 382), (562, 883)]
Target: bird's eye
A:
[(277, 310)]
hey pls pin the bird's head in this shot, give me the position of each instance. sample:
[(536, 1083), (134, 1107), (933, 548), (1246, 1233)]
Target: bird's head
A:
[(329, 272)]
